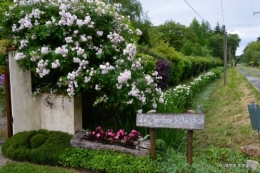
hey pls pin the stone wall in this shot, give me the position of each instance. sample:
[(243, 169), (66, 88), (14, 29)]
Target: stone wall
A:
[(31, 114)]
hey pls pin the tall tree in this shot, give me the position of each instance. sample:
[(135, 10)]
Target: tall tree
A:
[(175, 34), (252, 52), (132, 8), (216, 45), (202, 31), (139, 19), (218, 29), (233, 41)]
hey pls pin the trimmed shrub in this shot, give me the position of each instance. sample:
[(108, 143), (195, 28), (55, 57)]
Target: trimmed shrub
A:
[(42, 146), (182, 67), (163, 68), (37, 140), (173, 57), (187, 70)]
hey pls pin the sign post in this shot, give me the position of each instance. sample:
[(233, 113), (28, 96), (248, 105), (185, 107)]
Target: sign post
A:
[(186, 121)]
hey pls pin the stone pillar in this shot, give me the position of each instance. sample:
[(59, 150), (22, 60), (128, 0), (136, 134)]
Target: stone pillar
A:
[(32, 114)]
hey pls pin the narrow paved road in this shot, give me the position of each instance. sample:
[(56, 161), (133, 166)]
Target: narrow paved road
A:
[(254, 79)]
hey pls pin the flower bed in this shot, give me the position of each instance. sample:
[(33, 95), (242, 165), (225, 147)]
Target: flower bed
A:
[(121, 137), (78, 141)]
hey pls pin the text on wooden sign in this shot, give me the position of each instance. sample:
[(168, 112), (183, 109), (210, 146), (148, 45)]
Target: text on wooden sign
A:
[(180, 121)]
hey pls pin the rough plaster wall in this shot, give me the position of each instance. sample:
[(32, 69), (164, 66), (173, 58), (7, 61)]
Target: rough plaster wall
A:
[(25, 110), (31, 114)]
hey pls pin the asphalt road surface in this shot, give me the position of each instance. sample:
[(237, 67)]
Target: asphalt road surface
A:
[(254, 79)]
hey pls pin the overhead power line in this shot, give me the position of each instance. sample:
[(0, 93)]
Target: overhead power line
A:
[(194, 10), (222, 13)]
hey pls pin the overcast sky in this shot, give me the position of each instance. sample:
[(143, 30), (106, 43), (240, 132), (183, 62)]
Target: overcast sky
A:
[(237, 15)]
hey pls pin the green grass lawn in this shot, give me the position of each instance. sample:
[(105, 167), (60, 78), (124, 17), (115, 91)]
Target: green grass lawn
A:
[(14, 167)]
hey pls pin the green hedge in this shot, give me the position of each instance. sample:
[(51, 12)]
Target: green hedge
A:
[(182, 67)]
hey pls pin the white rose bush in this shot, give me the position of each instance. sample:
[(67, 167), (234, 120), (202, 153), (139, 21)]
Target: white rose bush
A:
[(79, 45)]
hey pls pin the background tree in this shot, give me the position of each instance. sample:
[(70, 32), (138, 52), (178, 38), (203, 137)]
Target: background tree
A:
[(4, 40), (175, 34), (202, 31), (233, 41), (132, 8), (139, 19), (216, 45), (252, 53)]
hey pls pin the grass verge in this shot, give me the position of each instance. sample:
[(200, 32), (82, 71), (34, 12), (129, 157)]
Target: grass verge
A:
[(227, 123)]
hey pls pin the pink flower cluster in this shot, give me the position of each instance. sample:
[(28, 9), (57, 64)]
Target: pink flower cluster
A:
[(120, 136)]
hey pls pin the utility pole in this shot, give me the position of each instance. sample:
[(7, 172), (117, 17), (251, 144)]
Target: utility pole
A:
[(225, 53)]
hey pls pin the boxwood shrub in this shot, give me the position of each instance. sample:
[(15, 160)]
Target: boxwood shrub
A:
[(42, 146)]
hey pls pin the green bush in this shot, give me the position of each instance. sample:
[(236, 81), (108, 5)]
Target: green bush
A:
[(148, 63), (218, 71), (42, 146), (177, 64), (187, 71), (37, 140), (108, 161)]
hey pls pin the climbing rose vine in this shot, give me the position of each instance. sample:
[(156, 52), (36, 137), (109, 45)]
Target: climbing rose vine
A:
[(79, 45)]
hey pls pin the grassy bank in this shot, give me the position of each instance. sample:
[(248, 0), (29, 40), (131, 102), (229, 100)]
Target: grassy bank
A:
[(227, 122)]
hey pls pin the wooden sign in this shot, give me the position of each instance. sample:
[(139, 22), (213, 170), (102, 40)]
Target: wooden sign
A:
[(186, 121), (180, 121)]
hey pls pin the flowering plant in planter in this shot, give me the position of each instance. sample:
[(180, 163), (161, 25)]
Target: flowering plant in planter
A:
[(133, 138), (77, 45)]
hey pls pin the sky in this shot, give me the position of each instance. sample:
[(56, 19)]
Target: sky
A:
[(237, 15)]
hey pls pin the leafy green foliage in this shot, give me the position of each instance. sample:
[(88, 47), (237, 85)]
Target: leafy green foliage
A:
[(37, 140), (208, 161), (108, 161), (251, 53), (176, 34), (40, 146), (148, 62), (218, 71), (175, 61), (217, 156), (182, 67)]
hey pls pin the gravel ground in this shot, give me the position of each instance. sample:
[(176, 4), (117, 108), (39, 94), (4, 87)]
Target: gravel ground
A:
[(3, 136), (3, 160)]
